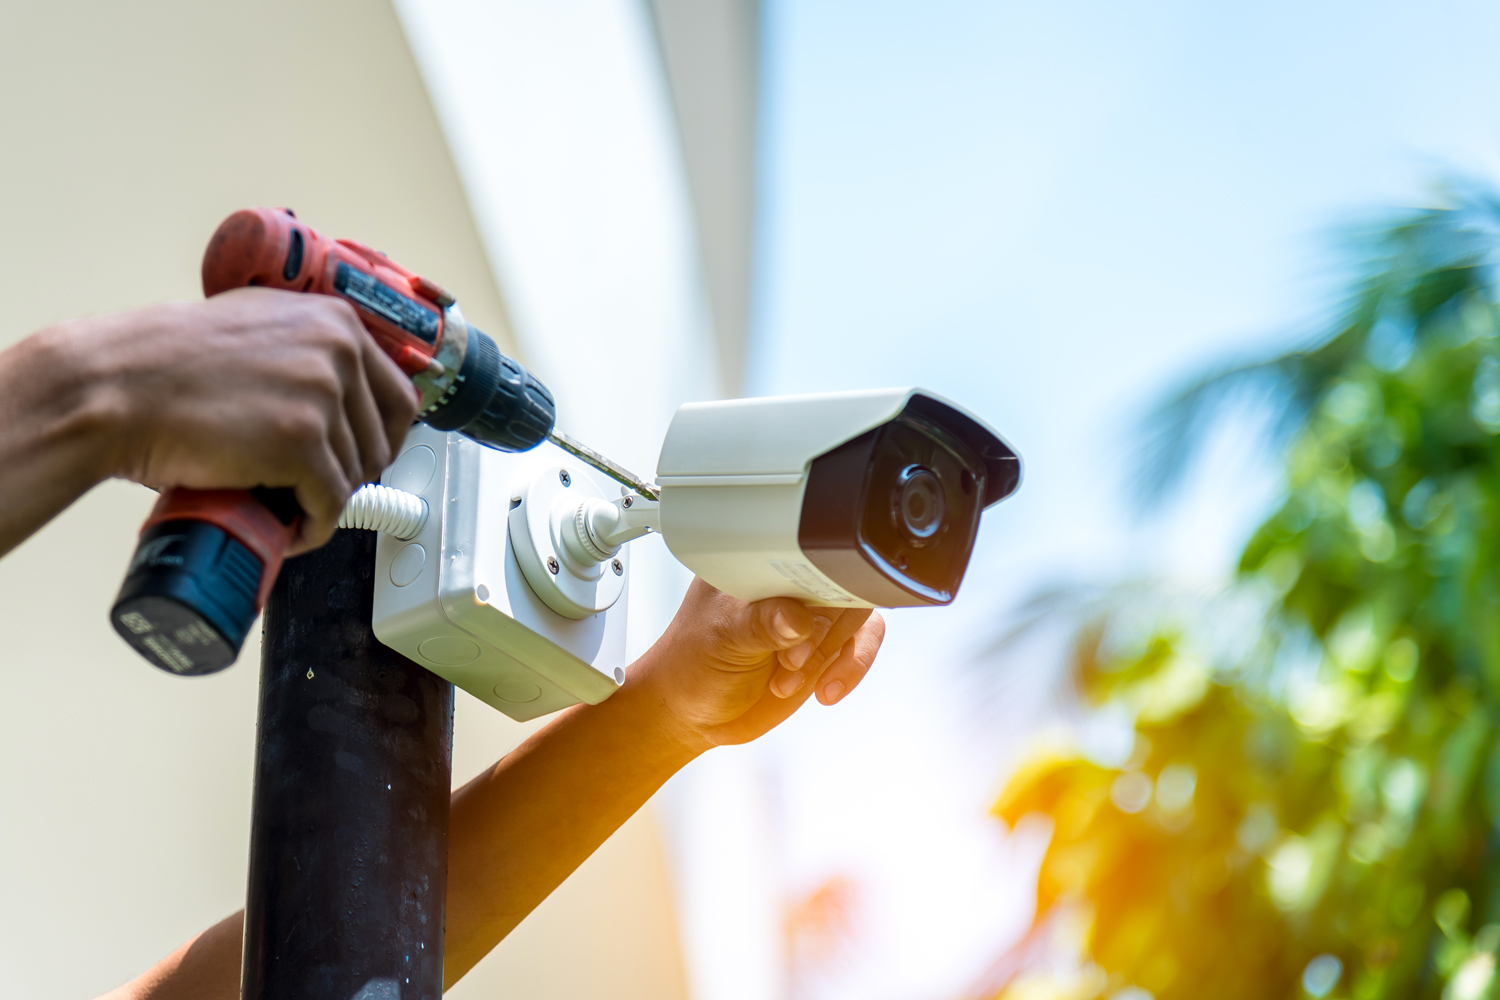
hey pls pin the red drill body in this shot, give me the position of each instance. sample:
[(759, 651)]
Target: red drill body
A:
[(207, 558), (273, 249)]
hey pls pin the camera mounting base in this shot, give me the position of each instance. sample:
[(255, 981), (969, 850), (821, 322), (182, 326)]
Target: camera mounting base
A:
[(543, 515)]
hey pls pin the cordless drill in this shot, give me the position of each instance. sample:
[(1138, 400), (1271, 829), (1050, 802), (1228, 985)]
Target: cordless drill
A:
[(207, 558)]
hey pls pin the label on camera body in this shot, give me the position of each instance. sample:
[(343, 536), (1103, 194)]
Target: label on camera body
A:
[(809, 579)]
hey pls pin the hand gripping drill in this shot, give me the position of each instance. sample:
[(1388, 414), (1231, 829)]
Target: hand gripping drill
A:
[(207, 558)]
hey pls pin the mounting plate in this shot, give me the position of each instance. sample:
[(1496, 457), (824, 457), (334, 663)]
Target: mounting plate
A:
[(455, 598), (542, 512)]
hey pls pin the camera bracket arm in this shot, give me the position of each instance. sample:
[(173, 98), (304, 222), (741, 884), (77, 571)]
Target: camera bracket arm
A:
[(600, 527)]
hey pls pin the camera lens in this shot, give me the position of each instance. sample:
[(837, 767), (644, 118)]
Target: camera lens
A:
[(919, 504), (904, 536)]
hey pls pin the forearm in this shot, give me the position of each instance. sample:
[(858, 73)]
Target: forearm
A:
[(516, 832), (206, 968), (524, 825), (54, 433)]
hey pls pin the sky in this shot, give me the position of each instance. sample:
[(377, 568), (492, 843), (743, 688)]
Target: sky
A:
[(1054, 213)]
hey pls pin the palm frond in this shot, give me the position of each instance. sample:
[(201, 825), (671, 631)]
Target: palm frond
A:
[(1418, 269)]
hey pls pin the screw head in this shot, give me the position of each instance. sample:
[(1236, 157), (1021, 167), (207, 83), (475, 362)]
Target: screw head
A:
[(618, 567), (552, 566), (629, 501), (564, 478)]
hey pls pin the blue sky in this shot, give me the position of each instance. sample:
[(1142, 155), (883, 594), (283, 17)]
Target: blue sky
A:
[(1053, 213)]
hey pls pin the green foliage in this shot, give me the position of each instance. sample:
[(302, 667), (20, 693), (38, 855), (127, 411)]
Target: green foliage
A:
[(1319, 812)]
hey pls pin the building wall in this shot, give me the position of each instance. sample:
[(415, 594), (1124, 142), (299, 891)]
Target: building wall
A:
[(127, 131), (711, 50)]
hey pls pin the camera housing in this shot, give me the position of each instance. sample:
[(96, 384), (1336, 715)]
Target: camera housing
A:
[(851, 499)]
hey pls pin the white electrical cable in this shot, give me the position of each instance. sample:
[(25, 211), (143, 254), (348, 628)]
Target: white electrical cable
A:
[(383, 508)]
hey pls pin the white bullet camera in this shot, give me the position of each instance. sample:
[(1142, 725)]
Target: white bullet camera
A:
[(853, 499), (514, 586)]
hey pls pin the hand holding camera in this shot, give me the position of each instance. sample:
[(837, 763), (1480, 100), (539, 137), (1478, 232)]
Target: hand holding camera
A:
[(729, 671)]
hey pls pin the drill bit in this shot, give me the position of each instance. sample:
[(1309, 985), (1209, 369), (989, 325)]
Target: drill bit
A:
[(613, 470)]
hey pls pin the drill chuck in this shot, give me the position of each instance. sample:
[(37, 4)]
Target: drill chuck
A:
[(494, 400)]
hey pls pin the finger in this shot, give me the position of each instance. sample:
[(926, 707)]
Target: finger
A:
[(366, 425), (788, 690), (774, 624), (835, 627), (356, 431), (322, 496), (392, 393), (798, 656), (853, 662), (848, 625), (787, 680), (786, 683), (341, 440), (803, 664)]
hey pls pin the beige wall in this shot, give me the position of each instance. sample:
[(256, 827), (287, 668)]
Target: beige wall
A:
[(126, 132)]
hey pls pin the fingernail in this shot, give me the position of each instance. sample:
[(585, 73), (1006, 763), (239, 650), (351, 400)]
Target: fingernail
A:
[(784, 626), (786, 685), (797, 655), (832, 692)]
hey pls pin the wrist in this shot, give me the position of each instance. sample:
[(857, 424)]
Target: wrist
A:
[(649, 703), (104, 383), (72, 415)]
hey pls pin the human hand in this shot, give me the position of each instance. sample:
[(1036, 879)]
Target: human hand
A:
[(728, 671), (252, 387)]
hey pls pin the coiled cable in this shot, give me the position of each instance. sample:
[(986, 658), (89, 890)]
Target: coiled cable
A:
[(384, 508)]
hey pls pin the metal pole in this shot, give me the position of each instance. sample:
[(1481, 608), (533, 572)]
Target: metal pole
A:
[(349, 832)]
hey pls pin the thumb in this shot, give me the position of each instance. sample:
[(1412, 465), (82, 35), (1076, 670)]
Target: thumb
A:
[(770, 626)]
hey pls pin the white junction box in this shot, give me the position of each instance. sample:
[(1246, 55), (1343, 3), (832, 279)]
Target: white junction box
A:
[(455, 599)]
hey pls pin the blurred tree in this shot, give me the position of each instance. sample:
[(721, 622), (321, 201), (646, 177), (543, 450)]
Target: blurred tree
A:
[(1313, 804)]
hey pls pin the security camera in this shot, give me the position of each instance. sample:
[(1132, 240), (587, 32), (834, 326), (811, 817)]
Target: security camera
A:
[(514, 587), (851, 499)]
